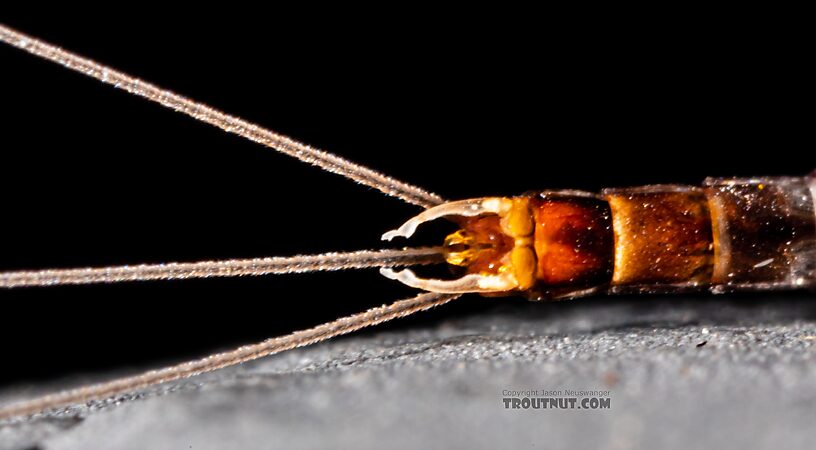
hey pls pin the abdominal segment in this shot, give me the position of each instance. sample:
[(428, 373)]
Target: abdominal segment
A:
[(573, 242)]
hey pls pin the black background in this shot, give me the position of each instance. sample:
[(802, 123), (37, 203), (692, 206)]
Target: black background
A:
[(91, 175)]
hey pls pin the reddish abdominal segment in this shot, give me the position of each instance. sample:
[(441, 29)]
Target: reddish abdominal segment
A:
[(572, 240)]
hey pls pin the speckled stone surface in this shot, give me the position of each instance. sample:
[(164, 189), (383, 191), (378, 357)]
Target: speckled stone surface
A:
[(714, 372)]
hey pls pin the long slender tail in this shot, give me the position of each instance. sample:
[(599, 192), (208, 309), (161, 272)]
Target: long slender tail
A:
[(226, 268), (246, 353), (199, 111)]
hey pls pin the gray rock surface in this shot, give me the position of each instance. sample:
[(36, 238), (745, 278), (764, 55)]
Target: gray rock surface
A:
[(712, 372)]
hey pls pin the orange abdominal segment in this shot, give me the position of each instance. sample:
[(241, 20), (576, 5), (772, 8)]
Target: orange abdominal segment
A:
[(573, 241), (662, 235)]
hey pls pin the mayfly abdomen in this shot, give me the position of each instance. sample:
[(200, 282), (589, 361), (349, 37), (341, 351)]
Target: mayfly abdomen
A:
[(729, 234)]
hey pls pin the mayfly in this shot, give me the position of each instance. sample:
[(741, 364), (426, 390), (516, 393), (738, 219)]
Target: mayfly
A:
[(729, 234)]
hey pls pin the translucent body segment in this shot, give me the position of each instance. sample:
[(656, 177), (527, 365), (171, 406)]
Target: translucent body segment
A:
[(765, 232), (812, 183), (808, 258), (662, 235)]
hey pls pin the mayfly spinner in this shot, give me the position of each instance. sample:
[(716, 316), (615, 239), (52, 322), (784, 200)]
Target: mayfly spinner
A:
[(729, 234)]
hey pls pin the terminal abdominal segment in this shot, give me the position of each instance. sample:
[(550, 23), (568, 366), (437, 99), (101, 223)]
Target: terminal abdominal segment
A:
[(729, 234)]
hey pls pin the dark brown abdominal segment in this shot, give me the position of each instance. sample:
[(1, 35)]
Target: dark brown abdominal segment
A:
[(765, 232), (573, 241), (662, 236)]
